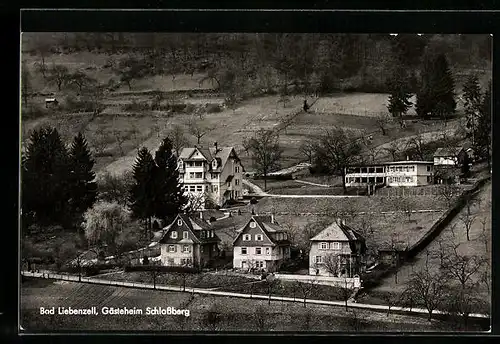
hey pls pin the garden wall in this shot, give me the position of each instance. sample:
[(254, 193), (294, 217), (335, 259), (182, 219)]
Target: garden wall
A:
[(324, 280)]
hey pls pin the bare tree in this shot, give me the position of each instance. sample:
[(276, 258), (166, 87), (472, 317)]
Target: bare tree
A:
[(94, 94), (448, 193), (101, 141), (331, 263), (418, 144), (120, 138), (404, 204), (382, 121), (393, 149), (58, 75), (136, 135), (266, 152), (306, 288), (428, 287), (198, 130), (485, 234), (178, 139), (391, 299), (271, 283), (338, 148), (467, 220), (307, 149), (346, 292)]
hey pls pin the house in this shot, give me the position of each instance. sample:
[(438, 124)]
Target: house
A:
[(211, 174), (188, 241), (449, 156), (393, 254), (51, 102), (395, 173), (337, 250), (260, 245)]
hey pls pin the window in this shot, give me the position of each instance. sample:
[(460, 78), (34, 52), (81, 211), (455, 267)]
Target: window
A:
[(258, 250), (358, 180), (247, 237), (214, 175), (259, 264), (236, 182), (371, 179), (389, 179), (215, 188), (428, 168), (186, 249), (214, 248), (191, 175), (173, 235), (318, 259), (252, 224), (379, 179), (192, 188), (363, 180), (185, 235), (379, 170), (179, 222), (186, 261), (323, 246), (335, 246), (429, 179), (371, 169), (198, 175), (236, 169), (268, 250), (258, 237), (243, 250), (171, 248), (363, 170), (199, 188), (198, 163)]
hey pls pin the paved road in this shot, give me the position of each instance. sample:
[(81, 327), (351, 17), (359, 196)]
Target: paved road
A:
[(73, 278), (259, 192)]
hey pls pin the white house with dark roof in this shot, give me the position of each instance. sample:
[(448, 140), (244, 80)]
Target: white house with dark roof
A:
[(260, 245), (211, 173), (336, 251), (188, 241)]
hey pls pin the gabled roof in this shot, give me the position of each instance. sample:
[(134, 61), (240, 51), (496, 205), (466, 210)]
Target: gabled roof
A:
[(222, 154), (196, 226), (269, 228), (447, 151), (337, 232)]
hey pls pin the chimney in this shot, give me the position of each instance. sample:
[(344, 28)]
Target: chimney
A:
[(253, 211), (201, 215), (272, 218), (215, 146), (407, 158)]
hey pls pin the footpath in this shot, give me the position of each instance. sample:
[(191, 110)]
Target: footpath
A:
[(379, 308)]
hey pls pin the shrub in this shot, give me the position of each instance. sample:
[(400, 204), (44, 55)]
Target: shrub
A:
[(253, 200), (213, 219)]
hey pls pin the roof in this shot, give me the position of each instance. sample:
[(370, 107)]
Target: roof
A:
[(447, 151), (210, 153), (337, 232), (401, 162), (268, 227), (196, 225)]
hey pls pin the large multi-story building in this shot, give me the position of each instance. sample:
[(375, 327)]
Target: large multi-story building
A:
[(396, 173), (212, 173)]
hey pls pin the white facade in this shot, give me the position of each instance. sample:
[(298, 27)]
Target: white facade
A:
[(248, 257), (219, 179), (442, 160), (399, 173)]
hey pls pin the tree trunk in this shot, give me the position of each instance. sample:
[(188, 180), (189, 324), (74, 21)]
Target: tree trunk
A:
[(343, 181)]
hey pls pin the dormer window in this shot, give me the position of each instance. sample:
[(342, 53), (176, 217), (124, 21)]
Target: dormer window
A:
[(179, 222), (185, 235), (173, 235), (253, 224), (258, 237), (247, 237)]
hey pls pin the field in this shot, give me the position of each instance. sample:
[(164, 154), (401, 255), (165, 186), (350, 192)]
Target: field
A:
[(234, 314), (355, 111)]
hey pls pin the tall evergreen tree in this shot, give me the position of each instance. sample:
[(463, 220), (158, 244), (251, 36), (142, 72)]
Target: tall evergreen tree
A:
[(83, 187), (472, 104), (399, 98), (45, 177), (142, 193), (169, 197), (435, 96), (482, 147)]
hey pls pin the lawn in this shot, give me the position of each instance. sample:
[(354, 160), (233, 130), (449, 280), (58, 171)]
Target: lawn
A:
[(201, 280), (235, 314)]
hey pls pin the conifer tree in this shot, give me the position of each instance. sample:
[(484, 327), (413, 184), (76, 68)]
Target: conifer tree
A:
[(142, 193), (472, 104), (169, 197), (83, 187), (399, 98), (482, 147), (435, 96), (45, 177)]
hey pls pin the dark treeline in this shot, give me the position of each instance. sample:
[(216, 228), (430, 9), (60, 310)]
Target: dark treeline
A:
[(361, 62)]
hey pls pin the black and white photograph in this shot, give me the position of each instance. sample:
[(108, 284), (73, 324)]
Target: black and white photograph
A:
[(255, 182)]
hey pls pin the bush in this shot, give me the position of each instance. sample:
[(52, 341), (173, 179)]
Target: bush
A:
[(213, 219), (253, 200)]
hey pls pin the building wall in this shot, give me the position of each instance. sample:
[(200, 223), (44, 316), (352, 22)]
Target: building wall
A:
[(396, 175), (317, 251), (445, 161), (274, 255), (178, 255)]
